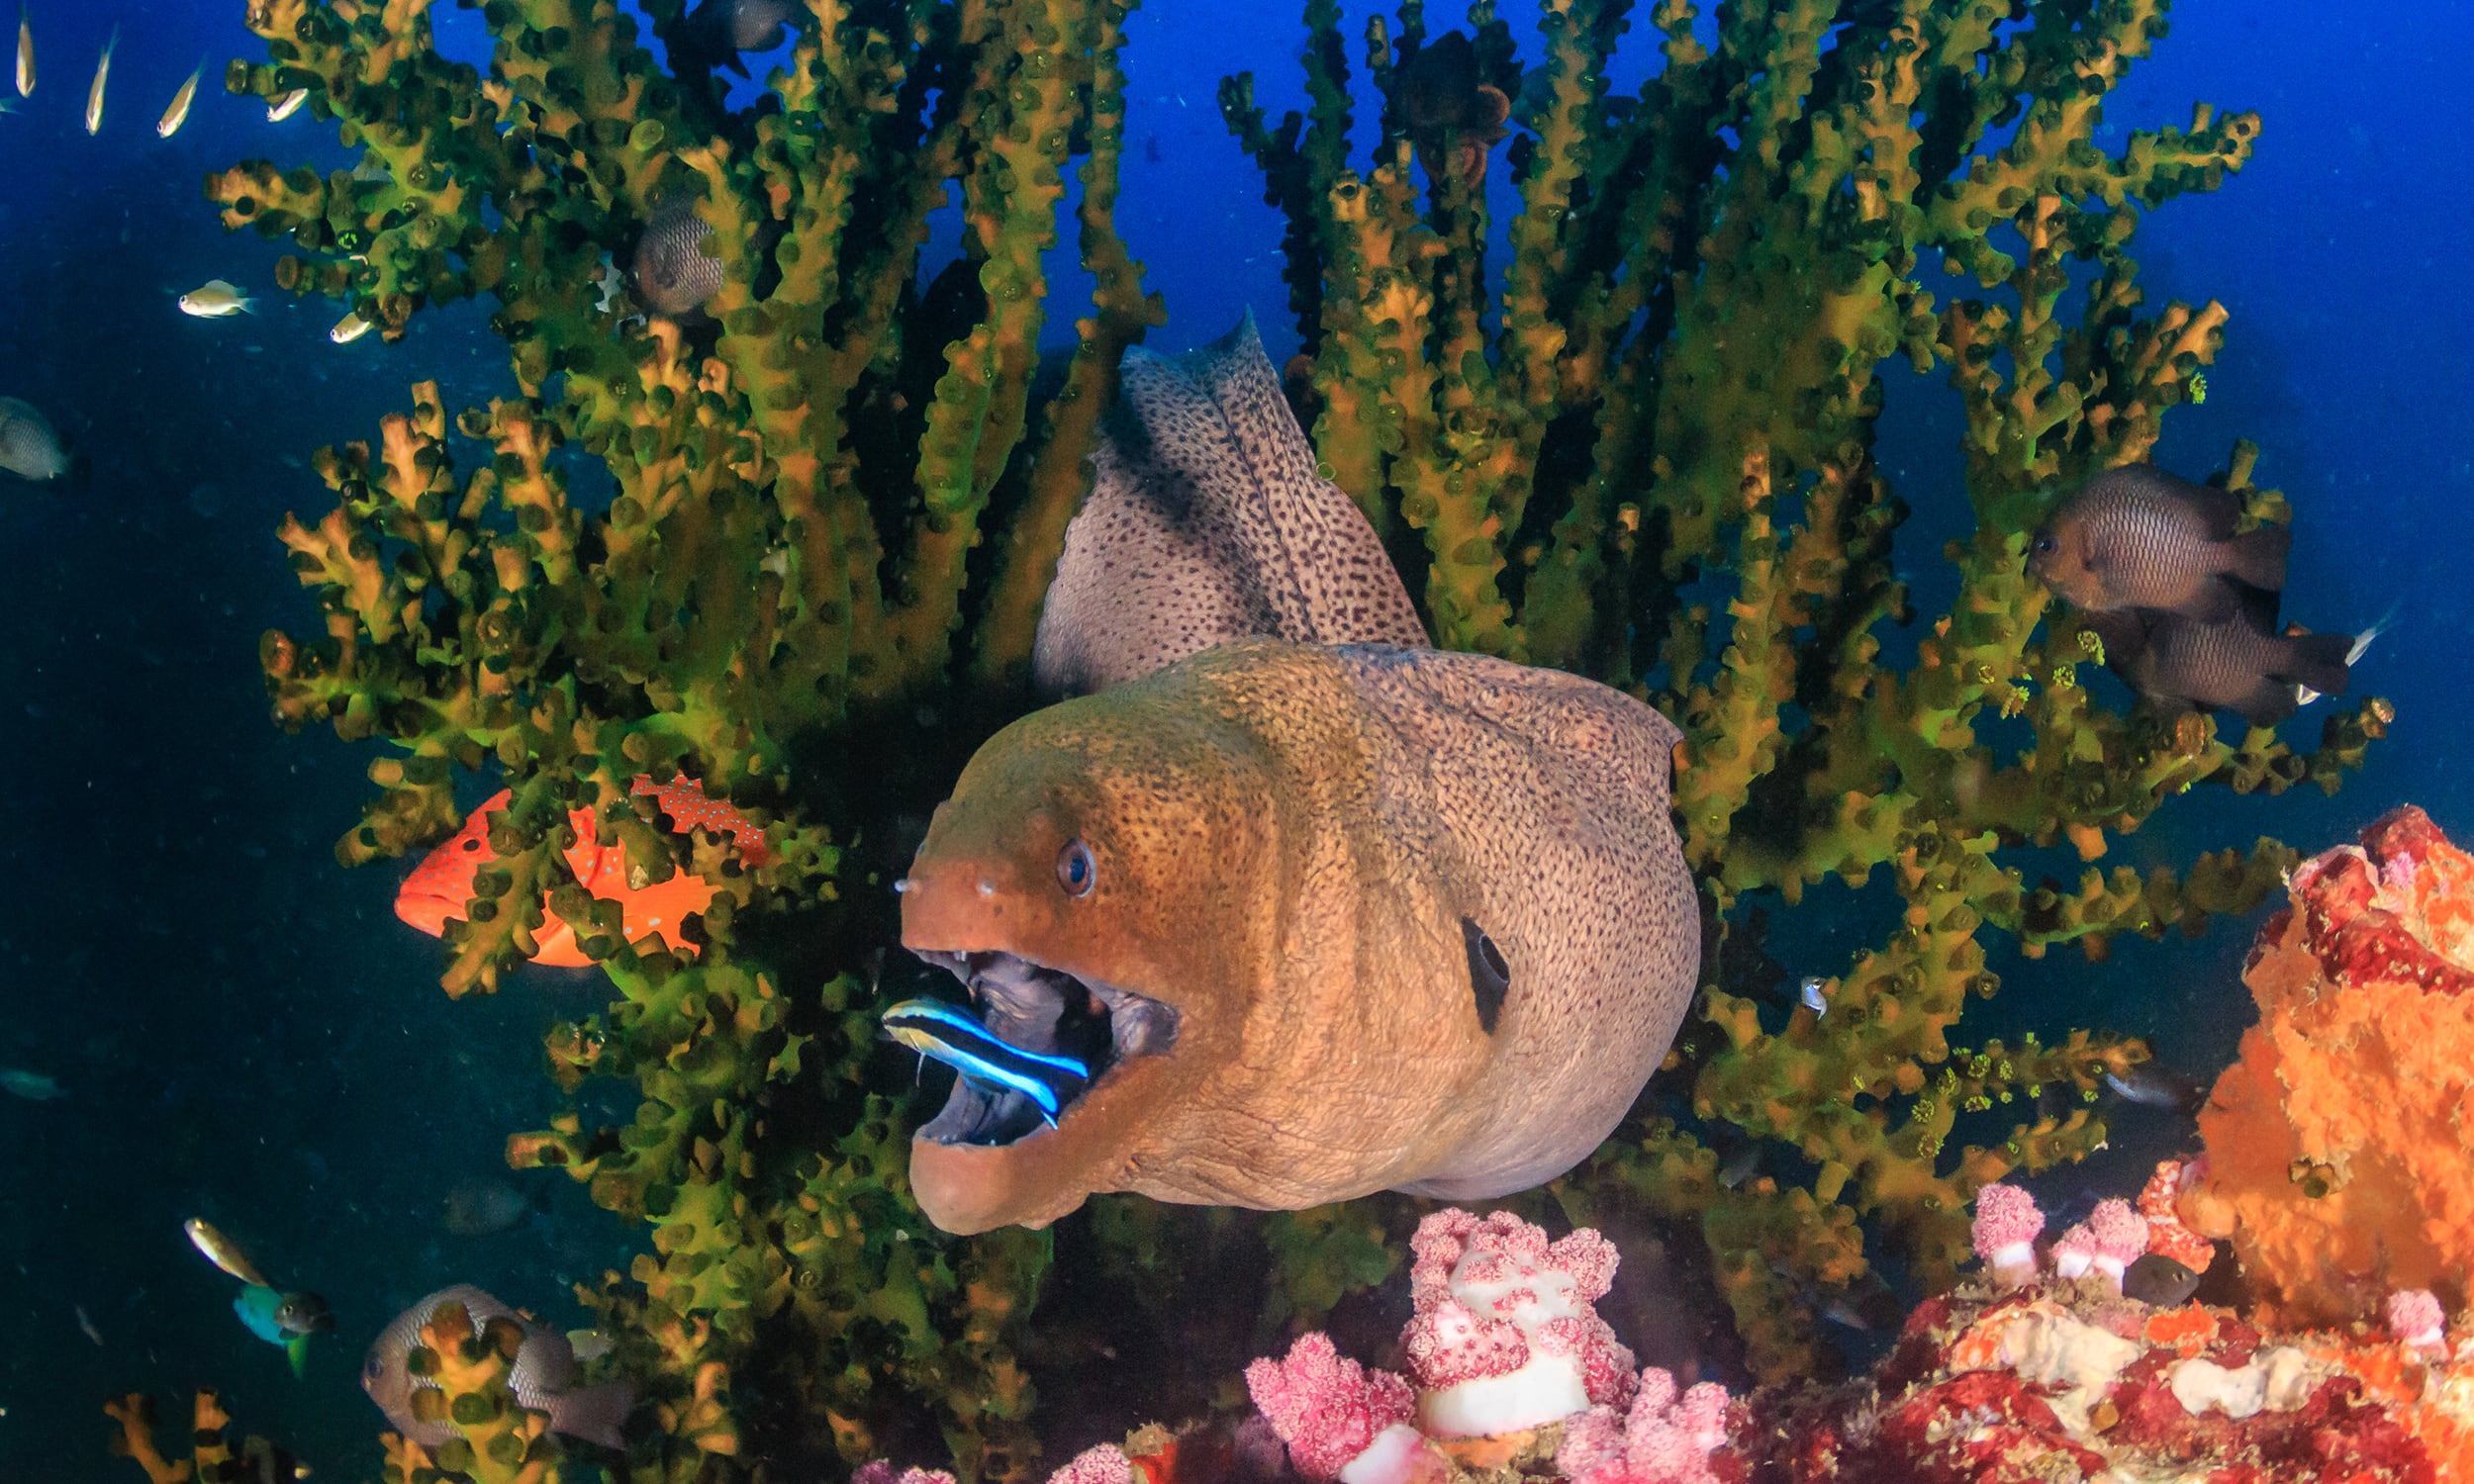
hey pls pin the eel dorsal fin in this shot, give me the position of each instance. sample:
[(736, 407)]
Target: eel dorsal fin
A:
[(1207, 522)]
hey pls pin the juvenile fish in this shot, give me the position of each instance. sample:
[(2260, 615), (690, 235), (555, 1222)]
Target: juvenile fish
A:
[(223, 1251), (101, 71), (216, 299), (348, 328), (178, 112), (25, 52), (286, 106), (2138, 537), (287, 1320)]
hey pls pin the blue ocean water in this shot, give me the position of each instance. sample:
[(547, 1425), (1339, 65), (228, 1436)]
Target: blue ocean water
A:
[(245, 1032)]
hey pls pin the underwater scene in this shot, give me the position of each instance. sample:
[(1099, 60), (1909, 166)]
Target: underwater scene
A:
[(932, 741)]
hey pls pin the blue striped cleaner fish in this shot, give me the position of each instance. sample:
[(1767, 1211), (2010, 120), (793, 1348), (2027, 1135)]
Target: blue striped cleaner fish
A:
[(956, 1038)]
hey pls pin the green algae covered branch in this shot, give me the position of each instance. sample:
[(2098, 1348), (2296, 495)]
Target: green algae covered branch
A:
[(1645, 452), (743, 542)]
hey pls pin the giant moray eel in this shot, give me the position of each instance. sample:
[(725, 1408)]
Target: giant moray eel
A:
[(1325, 910), (1206, 522), (1350, 919)]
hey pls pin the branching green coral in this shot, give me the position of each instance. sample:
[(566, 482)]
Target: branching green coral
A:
[(738, 545), (1656, 468)]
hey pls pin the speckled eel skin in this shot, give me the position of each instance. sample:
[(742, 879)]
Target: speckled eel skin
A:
[(1323, 918)]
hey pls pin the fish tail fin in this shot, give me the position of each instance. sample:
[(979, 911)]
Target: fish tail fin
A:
[(296, 1349), (2257, 557), (2362, 640), (2316, 661), (248, 306), (596, 1413)]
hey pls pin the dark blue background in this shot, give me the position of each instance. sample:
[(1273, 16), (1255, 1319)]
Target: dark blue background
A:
[(247, 1033)]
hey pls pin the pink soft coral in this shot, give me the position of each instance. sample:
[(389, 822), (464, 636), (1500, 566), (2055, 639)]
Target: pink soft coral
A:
[(1104, 1465), (882, 1471), (1663, 1439), (2006, 1227), (1504, 1337), (2416, 1319), (1327, 1409)]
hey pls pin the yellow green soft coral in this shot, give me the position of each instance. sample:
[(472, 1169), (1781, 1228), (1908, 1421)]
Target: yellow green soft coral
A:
[(737, 545)]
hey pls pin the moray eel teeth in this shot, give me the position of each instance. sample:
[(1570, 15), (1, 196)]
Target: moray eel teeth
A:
[(1031, 1007)]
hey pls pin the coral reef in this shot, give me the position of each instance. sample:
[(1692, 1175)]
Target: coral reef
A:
[(2039, 1375), (751, 545), (1649, 457), (2335, 1142)]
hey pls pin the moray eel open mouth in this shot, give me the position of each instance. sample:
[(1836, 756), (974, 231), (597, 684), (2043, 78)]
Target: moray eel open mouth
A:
[(1030, 1007)]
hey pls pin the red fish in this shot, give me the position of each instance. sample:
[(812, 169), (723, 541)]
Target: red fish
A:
[(441, 886)]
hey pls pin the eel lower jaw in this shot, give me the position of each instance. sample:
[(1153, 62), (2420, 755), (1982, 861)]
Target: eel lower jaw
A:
[(1036, 1008)]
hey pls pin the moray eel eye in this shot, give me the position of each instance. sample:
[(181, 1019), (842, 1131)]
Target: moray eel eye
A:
[(1076, 870)]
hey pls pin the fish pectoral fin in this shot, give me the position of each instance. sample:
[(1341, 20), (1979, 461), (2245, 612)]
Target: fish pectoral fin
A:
[(1489, 975), (296, 1349)]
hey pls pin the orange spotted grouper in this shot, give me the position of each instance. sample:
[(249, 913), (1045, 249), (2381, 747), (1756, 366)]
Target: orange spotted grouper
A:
[(1320, 911), (441, 886), (1320, 920)]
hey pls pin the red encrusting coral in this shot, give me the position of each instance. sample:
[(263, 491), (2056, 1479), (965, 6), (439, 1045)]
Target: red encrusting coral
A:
[(2167, 1237)]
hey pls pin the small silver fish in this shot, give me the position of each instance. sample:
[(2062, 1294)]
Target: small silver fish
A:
[(286, 106), (348, 328), (223, 1251), (87, 1325), (215, 298), (1814, 992), (33, 1086), (25, 52), (178, 112), (101, 71)]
